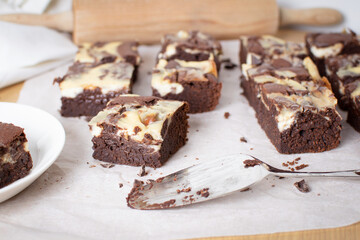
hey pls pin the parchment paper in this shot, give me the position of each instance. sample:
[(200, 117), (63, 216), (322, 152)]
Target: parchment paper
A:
[(74, 199)]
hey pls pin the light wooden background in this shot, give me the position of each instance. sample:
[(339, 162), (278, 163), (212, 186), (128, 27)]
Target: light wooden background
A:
[(352, 232)]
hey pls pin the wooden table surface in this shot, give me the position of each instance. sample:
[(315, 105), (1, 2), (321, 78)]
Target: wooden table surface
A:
[(351, 232)]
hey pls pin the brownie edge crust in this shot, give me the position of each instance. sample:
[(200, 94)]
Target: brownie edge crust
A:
[(150, 141)]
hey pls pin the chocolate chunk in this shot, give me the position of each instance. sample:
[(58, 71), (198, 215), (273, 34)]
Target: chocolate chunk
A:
[(255, 47), (148, 136), (302, 186), (115, 117), (128, 50), (280, 63), (172, 64), (351, 87), (226, 115), (286, 103), (137, 129), (301, 72), (329, 39), (275, 88)]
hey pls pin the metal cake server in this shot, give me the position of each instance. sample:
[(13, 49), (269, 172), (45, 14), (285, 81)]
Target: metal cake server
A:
[(211, 180)]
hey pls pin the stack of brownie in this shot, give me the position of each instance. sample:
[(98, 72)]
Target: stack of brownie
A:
[(187, 70), (293, 104), (101, 72), (337, 55)]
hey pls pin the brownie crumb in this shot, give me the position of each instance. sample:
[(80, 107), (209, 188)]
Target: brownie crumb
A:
[(107, 165), (302, 186), (318, 194), (191, 199), (273, 185), (204, 192), (242, 139), (292, 165), (121, 185), (159, 180), (226, 115), (281, 177), (196, 158), (251, 148), (245, 190), (228, 64), (87, 162), (183, 190), (142, 171), (301, 166), (251, 162)]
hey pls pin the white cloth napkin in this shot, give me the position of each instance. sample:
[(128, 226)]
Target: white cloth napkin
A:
[(26, 51)]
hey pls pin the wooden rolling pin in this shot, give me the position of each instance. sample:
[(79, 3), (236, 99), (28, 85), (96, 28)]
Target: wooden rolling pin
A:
[(146, 21)]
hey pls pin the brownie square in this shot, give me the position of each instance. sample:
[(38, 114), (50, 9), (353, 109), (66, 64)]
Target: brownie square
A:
[(136, 131), (195, 82), (101, 71), (321, 46), (15, 159), (190, 46), (293, 104), (86, 88)]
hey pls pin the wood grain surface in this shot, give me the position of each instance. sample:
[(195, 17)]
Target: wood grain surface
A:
[(352, 232)]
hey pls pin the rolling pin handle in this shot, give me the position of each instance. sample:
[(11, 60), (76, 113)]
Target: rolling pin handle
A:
[(311, 17), (60, 21)]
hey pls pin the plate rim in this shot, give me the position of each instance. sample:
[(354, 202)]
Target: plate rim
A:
[(33, 175)]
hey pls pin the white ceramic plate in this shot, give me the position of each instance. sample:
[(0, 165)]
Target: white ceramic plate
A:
[(46, 137)]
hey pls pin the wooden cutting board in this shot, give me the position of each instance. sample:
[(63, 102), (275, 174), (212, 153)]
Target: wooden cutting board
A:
[(352, 232), (146, 21)]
